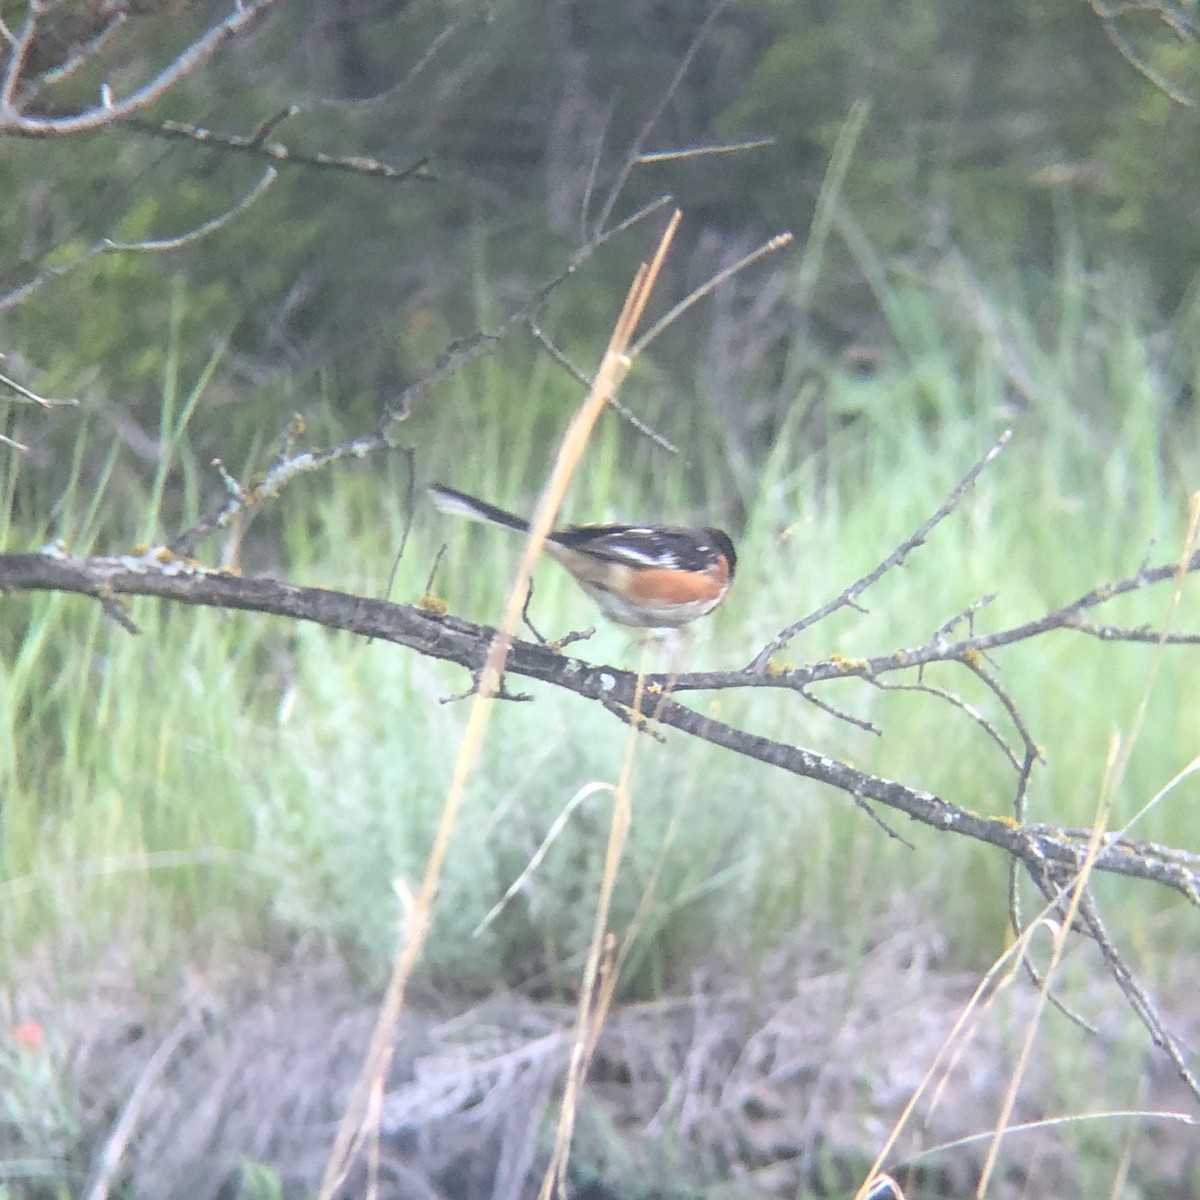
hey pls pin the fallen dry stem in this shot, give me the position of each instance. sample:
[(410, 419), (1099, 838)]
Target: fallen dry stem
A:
[(1112, 1114)]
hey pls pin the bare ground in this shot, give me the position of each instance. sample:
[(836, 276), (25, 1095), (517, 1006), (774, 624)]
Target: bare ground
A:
[(780, 1084)]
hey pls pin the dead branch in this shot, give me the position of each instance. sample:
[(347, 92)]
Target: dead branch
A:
[(256, 145), (1052, 855), (109, 109), (161, 575)]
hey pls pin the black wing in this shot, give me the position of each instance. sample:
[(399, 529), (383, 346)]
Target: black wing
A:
[(665, 546)]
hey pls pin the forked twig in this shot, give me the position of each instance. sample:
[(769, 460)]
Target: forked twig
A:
[(850, 595)]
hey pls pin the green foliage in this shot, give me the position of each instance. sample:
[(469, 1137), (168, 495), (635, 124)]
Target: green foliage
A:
[(979, 111), (222, 778), (1152, 154), (258, 1182), (324, 760), (987, 122)]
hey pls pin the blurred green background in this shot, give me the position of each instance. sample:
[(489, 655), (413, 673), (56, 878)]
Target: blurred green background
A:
[(1010, 237), (1004, 237)]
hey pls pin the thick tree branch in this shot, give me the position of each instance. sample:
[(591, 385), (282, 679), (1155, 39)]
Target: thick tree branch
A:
[(1040, 848)]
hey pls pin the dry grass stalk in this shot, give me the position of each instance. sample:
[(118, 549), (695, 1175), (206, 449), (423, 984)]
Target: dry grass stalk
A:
[(360, 1120)]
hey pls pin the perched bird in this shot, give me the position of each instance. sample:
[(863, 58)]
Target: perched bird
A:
[(647, 576)]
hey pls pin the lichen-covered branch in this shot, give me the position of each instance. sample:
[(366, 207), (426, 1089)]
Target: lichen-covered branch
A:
[(159, 574)]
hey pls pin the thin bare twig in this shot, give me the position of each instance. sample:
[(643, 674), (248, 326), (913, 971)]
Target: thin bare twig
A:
[(47, 274), (17, 55), (1121, 633), (658, 156), (593, 174), (876, 819), (635, 149), (380, 98), (410, 515), (856, 589), (624, 413), (161, 245), (457, 355), (454, 359), (1130, 55), (265, 128), (1137, 996), (256, 145), (1031, 754), (839, 714), (778, 242), (79, 57), (955, 701), (23, 393)]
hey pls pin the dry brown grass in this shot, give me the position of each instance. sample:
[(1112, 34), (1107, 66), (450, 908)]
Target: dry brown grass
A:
[(783, 1083)]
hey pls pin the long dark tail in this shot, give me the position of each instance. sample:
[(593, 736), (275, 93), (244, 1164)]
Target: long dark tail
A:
[(459, 504)]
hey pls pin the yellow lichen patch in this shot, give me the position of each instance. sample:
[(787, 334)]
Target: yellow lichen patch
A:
[(778, 667), (636, 718), (141, 549), (434, 605), (848, 664), (973, 658), (163, 554)]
